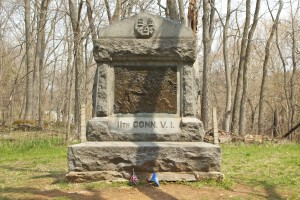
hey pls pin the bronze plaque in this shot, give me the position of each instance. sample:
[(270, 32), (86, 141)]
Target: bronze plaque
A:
[(145, 90)]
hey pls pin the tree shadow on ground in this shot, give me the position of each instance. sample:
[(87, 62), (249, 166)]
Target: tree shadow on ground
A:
[(46, 194), (57, 175), (35, 193), (270, 190), (155, 193)]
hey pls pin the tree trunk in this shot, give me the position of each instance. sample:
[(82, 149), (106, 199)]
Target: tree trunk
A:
[(68, 90), (29, 63), (172, 10), (193, 16), (285, 87), (226, 126), (108, 11), (294, 67), (91, 21), (275, 125), (291, 131), (117, 13), (79, 66), (245, 72), (238, 91), (207, 19), (265, 70), (181, 12), (40, 54)]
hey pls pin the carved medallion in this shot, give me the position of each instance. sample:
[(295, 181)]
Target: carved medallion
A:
[(144, 27), (145, 90)]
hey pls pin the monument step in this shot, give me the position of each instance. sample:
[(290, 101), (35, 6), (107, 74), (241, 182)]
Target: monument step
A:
[(79, 177), (115, 160), (186, 129)]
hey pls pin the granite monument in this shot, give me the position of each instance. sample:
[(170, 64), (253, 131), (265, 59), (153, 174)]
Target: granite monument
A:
[(144, 107)]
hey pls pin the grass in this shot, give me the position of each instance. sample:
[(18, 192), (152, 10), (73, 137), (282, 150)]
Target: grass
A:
[(103, 185), (30, 159), (266, 165), (32, 164)]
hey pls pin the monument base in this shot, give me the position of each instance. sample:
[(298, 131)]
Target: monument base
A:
[(79, 177), (114, 161), (185, 129)]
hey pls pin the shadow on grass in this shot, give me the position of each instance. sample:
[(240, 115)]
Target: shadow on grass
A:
[(35, 193), (154, 192), (40, 194), (27, 169), (59, 176), (52, 174), (270, 190)]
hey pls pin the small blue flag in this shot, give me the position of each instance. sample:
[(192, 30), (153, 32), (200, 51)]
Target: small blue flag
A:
[(155, 179)]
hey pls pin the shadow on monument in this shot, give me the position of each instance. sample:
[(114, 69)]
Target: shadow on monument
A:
[(157, 98)]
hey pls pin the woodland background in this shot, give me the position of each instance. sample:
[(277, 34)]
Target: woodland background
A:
[(247, 61)]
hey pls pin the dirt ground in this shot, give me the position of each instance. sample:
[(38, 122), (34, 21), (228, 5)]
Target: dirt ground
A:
[(167, 191)]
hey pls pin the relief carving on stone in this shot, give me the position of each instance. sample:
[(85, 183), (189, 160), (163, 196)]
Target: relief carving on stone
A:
[(144, 27), (145, 90)]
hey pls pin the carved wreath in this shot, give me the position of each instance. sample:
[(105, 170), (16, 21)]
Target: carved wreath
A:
[(144, 27)]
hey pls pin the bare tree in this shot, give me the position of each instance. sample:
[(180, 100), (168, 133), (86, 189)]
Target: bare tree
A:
[(208, 25), (181, 12), (226, 125), (117, 13), (29, 62), (294, 65), (265, 69), (80, 95), (40, 54), (193, 16), (172, 10), (238, 91), (108, 11), (245, 72)]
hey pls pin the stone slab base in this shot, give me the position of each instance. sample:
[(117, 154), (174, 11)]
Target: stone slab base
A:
[(186, 129), (78, 177), (111, 161)]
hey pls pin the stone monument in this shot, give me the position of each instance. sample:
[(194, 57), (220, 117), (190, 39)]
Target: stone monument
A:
[(144, 107)]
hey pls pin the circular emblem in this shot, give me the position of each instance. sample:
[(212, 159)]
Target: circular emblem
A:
[(144, 27)]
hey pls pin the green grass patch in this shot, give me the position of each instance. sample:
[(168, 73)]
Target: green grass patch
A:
[(29, 160), (31, 163), (262, 165), (225, 184), (102, 185), (30, 145)]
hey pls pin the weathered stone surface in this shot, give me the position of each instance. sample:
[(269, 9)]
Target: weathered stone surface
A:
[(208, 176), (144, 89), (144, 157), (189, 92), (101, 91), (175, 49), (91, 176), (142, 124), (193, 127), (165, 28), (142, 176), (144, 129), (169, 39)]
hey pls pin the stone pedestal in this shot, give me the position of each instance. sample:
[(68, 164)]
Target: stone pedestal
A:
[(144, 107), (173, 161)]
